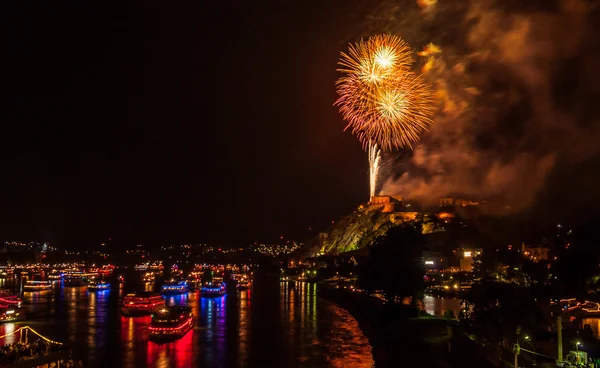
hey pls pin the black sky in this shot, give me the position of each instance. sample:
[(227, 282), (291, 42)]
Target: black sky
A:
[(167, 123)]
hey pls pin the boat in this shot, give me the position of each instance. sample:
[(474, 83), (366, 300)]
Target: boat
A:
[(106, 269), (78, 278), (142, 303), (210, 289), (98, 286), (193, 284), (157, 267), (149, 277), (8, 299), (9, 315), (141, 267), (173, 287), (55, 275), (73, 280), (171, 323), (176, 271), (244, 284), (34, 286)]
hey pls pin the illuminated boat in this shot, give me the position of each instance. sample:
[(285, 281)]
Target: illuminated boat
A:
[(149, 277), (106, 269), (193, 284), (141, 267), (210, 289), (171, 323), (79, 278), (176, 271), (173, 287), (156, 267), (9, 315), (98, 286), (244, 284), (8, 299), (55, 275), (37, 286), (74, 280), (142, 303)]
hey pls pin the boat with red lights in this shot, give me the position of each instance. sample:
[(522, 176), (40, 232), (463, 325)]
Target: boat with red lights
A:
[(141, 303), (171, 323), (213, 289), (8, 299), (173, 287), (106, 269)]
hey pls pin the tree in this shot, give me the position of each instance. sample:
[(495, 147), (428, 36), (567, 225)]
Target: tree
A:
[(495, 310), (394, 265)]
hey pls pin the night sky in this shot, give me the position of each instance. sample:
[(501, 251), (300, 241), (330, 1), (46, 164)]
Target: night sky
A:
[(159, 123), (214, 121)]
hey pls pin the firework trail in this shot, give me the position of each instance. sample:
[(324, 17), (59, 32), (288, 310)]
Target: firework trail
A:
[(374, 160), (385, 105)]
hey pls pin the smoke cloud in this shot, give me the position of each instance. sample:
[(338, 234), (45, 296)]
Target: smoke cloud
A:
[(517, 84)]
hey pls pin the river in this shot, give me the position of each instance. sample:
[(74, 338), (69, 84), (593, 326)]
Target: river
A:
[(274, 324)]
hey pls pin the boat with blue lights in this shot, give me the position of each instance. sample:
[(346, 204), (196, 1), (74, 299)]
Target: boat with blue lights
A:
[(211, 290), (142, 303), (171, 323), (173, 287), (98, 286)]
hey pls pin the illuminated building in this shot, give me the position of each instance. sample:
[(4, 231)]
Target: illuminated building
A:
[(389, 203), (536, 252), (466, 258), (461, 260), (402, 217)]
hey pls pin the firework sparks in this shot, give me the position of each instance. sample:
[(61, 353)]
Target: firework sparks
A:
[(374, 160), (375, 60), (383, 102)]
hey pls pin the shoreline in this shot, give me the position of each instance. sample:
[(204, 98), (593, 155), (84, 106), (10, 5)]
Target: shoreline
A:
[(397, 338)]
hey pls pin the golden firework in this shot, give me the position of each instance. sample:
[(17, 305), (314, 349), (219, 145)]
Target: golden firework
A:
[(383, 102)]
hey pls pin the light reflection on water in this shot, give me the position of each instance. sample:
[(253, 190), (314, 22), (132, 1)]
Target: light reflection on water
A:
[(275, 324), (594, 324), (436, 306)]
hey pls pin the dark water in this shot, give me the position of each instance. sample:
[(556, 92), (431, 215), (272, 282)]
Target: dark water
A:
[(275, 324)]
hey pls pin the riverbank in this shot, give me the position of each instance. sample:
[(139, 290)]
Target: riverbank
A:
[(398, 338)]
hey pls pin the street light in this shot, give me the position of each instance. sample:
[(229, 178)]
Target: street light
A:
[(577, 345)]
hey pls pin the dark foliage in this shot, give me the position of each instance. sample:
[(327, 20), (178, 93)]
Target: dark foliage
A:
[(394, 265)]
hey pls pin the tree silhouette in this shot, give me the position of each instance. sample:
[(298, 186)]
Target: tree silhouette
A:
[(394, 265)]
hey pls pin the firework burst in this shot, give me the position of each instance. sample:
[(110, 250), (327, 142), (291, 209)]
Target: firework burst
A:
[(382, 101)]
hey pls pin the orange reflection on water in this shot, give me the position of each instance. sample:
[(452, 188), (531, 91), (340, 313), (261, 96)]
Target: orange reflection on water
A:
[(244, 324), (594, 324), (6, 329), (92, 323), (436, 306)]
